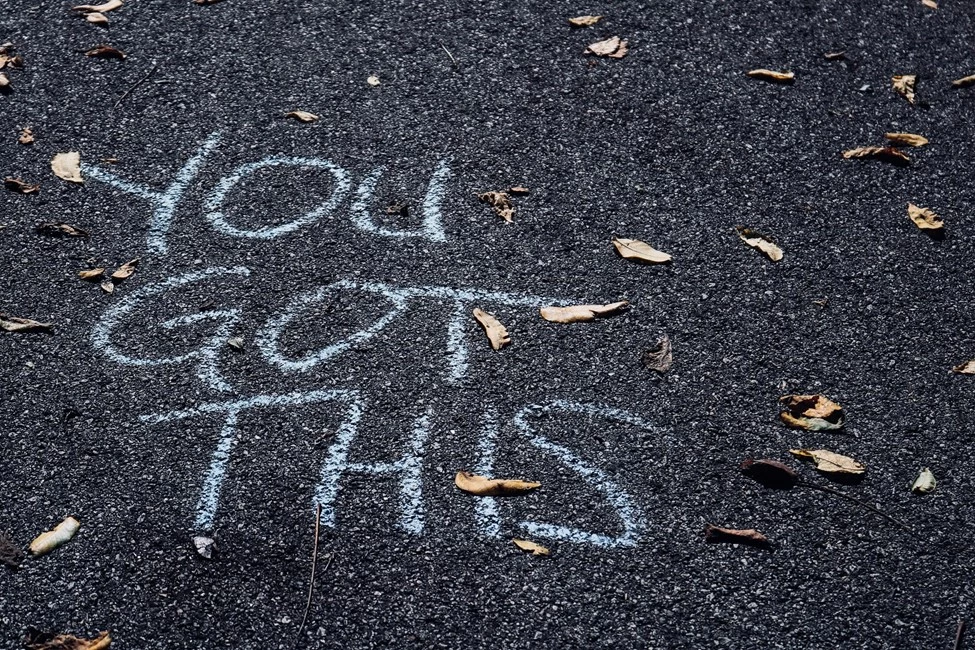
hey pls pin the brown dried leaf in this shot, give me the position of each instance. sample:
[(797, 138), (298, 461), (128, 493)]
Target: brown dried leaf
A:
[(59, 230), (22, 187), (105, 52), (91, 274), (10, 555), (97, 19), (483, 486), (26, 136), (67, 166), (640, 251), (770, 473), (812, 412), (829, 462), (760, 242), (905, 85), (37, 640), (772, 75), (613, 47), (302, 116), (660, 358), (532, 547), (111, 5), (518, 190), (107, 286), (924, 218), (501, 203), (967, 368), (14, 324), (584, 21), (580, 313), (125, 271), (907, 139), (887, 154), (964, 82), (931, 4), (716, 534), (495, 331)]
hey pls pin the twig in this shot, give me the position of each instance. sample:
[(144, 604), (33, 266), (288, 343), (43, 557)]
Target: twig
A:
[(314, 561), (960, 634), (452, 59), (823, 488), (155, 66)]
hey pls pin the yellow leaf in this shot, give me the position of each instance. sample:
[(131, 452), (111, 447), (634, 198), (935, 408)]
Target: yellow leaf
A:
[(904, 85), (496, 332), (967, 368), (907, 139), (302, 116), (614, 48), (580, 313), (483, 486), (829, 462), (584, 21), (67, 166), (102, 8), (964, 82), (47, 542), (532, 547), (924, 218), (887, 154), (772, 75), (760, 242), (634, 249)]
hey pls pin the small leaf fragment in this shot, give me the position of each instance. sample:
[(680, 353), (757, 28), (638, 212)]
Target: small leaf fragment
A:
[(760, 242), (518, 190), (925, 483), (581, 313), (26, 136), (905, 85), (660, 357), (907, 139), (67, 166), (302, 116), (4, 80), (930, 4), (111, 5), (772, 75), (835, 56), (532, 547), (496, 332), (204, 546), (59, 230), (47, 542), (105, 52), (640, 251), (97, 19), (584, 21), (812, 413), (967, 368), (964, 82), (37, 640), (924, 218), (10, 554), (717, 534), (483, 486), (501, 203), (19, 186), (829, 462), (91, 275), (237, 343), (886, 154), (770, 473), (373, 80), (10, 323), (613, 48), (126, 270), (108, 286)]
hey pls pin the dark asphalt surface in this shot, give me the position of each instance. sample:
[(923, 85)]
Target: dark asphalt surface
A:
[(672, 144)]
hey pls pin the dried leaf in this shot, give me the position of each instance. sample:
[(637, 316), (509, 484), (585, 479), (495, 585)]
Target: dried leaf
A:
[(125, 271), (4, 80), (501, 203), (59, 230), (302, 116), (904, 85), (102, 8), (105, 52), (204, 546), (931, 4), (10, 323), (660, 358), (772, 75), (47, 542), (716, 534), (829, 462), (108, 286), (580, 313), (835, 56), (67, 166), (26, 136), (924, 218), (907, 139), (518, 190), (236, 343), (639, 251), (759, 241), (483, 486), (373, 80), (91, 274), (97, 19), (967, 368), (37, 640), (770, 473), (925, 483), (584, 21), (614, 48), (532, 547), (887, 154), (964, 82), (495, 331), (17, 185), (812, 413), (10, 555)]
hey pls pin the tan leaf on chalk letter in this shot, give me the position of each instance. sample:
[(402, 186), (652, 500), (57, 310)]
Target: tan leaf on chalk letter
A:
[(111, 5), (19, 186), (91, 274), (660, 357), (614, 48), (126, 270), (717, 534), (904, 85), (37, 640), (964, 82), (967, 368), (924, 218), (530, 547), (772, 75), (67, 166), (105, 52), (829, 462), (302, 116), (639, 251), (584, 21), (483, 486), (907, 139), (760, 242), (10, 323), (495, 331), (925, 483), (501, 203), (580, 313), (812, 412), (47, 542), (887, 154)]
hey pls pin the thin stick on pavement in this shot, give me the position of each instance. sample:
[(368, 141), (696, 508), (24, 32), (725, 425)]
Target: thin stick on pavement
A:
[(960, 633), (314, 561)]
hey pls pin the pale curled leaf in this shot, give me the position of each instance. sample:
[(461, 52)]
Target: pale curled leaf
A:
[(907, 139), (126, 270), (10, 323), (20, 186), (496, 332), (67, 166), (660, 357), (111, 5), (835, 56), (829, 462), (772, 75), (518, 190), (925, 483), (4, 80), (581, 313), (97, 19), (501, 203), (47, 542), (373, 80), (531, 547), (483, 486), (639, 251), (613, 47), (967, 368), (812, 413), (905, 86), (91, 274), (37, 640), (718, 534), (302, 116), (760, 242), (964, 82), (924, 218), (584, 21), (930, 4), (887, 154)]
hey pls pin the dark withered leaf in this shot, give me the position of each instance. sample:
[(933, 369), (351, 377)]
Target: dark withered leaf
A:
[(660, 357), (60, 230), (717, 534), (10, 555), (770, 473)]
